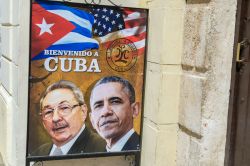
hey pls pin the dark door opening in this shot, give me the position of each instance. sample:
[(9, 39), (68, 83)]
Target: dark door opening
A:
[(238, 139)]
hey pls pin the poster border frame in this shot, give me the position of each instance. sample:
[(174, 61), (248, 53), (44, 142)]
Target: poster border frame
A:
[(136, 153)]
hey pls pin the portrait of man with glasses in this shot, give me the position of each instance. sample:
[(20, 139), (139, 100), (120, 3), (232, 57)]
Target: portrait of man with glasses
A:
[(63, 113)]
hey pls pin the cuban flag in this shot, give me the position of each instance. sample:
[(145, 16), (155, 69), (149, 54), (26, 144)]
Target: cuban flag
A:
[(59, 27)]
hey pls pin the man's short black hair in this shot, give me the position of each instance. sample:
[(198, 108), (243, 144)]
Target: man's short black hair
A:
[(125, 83)]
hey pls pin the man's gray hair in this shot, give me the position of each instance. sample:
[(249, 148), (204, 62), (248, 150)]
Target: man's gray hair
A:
[(129, 89), (63, 84)]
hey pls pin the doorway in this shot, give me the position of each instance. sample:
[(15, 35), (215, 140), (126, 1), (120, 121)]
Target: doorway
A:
[(238, 139)]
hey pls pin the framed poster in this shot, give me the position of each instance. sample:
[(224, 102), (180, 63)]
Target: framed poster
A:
[(86, 80)]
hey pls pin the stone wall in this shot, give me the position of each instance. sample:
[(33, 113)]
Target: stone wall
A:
[(206, 66), (163, 80), (13, 78)]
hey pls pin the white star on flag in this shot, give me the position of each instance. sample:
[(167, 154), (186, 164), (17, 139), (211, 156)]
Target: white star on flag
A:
[(45, 27)]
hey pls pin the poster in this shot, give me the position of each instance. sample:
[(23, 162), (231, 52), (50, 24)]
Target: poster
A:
[(86, 79)]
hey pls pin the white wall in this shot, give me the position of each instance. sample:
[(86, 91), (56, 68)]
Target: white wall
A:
[(14, 25)]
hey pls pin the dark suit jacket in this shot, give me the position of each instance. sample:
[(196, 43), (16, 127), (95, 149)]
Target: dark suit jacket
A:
[(87, 142), (133, 143)]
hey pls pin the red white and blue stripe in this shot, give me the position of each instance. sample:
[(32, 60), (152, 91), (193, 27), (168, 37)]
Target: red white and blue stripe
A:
[(110, 24)]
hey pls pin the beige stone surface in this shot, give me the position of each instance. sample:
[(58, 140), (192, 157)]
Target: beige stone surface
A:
[(194, 151), (163, 3), (3, 131), (188, 150), (162, 93), (11, 138), (8, 139), (127, 3), (149, 143), (14, 82), (219, 56), (1, 160), (196, 24), (190, 114), (183, 146), (23, 66), (10, 39), (208, 51), (167, 145), (8, 74), (159, 144), (165, 35), (9, 12)]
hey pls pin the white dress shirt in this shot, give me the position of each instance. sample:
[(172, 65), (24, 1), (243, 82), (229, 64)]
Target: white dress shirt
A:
[(66, 147), (121, 142)]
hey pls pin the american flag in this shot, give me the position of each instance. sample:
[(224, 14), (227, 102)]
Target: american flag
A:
[(110, 24)]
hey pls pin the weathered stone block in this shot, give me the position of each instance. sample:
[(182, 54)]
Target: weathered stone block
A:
[(0, 70), (161, 150), (162, 93), (10, 43), (183, 146), (191, 102), (9, 12), (167, 145), (148, 149), (5, 73), (188, 151), (127, 3), (194, 153), (218, 61), (163, 3), (11, 137), (196, 22), (151, 103), (8, 131), (3, 128), (15, 83), (5, 33), (165, 44), (1, 160), (169, 97), (212, 149), (8, 75)]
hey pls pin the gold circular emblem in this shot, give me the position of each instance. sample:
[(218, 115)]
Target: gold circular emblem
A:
[(121, 55)]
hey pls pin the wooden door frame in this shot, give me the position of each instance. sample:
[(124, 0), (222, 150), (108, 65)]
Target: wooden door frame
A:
[(232, 112)]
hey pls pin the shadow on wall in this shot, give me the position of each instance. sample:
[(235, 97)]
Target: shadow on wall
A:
[(1, 160), (197, 1)]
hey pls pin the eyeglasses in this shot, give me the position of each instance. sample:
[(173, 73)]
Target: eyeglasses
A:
[(62, 110)]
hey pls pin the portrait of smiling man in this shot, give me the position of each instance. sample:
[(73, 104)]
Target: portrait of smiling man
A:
[(63, 113), (113, 109)]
